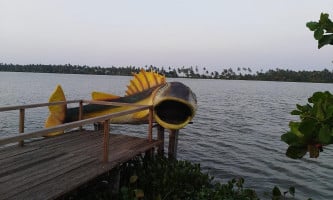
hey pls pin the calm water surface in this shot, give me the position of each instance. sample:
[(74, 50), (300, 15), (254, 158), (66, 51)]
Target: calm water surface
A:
[(236, 132)]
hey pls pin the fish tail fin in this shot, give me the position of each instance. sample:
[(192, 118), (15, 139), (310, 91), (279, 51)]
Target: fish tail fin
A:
[(57, 113)]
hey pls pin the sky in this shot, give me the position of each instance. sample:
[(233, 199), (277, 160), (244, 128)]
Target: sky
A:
[(216, 34)]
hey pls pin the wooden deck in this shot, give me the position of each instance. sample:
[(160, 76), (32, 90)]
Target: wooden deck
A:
[(49, 168)]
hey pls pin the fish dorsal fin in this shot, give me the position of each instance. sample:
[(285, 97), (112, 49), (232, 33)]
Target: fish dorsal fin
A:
[(143, 81), (102, 96)]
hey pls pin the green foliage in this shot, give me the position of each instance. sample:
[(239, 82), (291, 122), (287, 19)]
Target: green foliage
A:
[(324, 76), (322, 30), (277, 194), (315, 128), (162, 178)]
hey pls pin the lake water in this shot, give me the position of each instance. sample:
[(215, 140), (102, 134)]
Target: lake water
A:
[(235, 133)]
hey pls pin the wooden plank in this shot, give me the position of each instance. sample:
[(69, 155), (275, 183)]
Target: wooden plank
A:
[(11, 151), (60, 185), (136, 148), (45, 175), (69, 142), (49, 168), (21, 125), (106, 140), (173, 143), (39, 170), (16, 164), (85, 173)]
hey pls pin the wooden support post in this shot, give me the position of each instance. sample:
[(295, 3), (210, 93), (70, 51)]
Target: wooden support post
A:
[(160, 136), (21, 125), (81, 112), (150, 131), (150, 127), (173, 143), (106, 141)]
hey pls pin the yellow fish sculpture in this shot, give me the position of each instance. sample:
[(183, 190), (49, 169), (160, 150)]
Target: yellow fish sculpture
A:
[(174, 104)]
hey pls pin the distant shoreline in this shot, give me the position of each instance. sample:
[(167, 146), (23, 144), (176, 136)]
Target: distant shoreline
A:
[(324, 76)]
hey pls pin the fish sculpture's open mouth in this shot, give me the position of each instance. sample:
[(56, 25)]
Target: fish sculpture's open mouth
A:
[(173, 114), (174, 106)]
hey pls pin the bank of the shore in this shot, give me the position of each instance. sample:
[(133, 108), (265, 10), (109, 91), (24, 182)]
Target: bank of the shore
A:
[(241, 73)]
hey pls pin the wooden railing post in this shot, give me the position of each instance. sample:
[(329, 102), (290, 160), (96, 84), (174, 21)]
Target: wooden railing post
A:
[(21, 125), (81, 112), (150, 127), (160, 136), (173, 143), (106, 140)]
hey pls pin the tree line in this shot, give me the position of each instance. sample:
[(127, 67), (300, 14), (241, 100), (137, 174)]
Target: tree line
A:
[(324, 76)]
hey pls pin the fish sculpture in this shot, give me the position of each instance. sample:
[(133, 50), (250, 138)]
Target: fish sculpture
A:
[(174, 104)]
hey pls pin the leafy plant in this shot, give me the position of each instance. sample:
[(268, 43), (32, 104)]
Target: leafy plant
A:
[(315, 129), (323, 30), (277, 194), (161, 178)]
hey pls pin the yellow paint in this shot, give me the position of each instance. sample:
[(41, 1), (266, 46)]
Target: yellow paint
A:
[(143, 81), (57, 112), (102, 96)]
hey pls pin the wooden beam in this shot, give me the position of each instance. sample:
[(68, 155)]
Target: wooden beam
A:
[(150, 126), (106, 141), (160, 137), (8, 108), (173, 143), (21, 125), (113, 103), (81, 112)]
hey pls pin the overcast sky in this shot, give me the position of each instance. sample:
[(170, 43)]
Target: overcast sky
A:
[(261, 34)]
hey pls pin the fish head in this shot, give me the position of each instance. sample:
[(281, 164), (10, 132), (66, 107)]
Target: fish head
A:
[(174, 105)]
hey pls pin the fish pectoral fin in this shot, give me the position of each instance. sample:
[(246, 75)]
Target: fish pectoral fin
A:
[(102, 96), (57, 112)]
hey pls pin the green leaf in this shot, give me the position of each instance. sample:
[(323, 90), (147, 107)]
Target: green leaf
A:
[(133, 179), (324, 135), (324, 40), (324, 18), (276, 192), (294, 128), (292, 191), (318, 110), (296, 112), (307, 127), (299, 107), (295, 152), (312, 25), (318, 34), (316, 97), (290, 138), (329, 112)]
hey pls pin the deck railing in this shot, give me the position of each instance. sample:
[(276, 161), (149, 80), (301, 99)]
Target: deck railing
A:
[(21, 136)]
